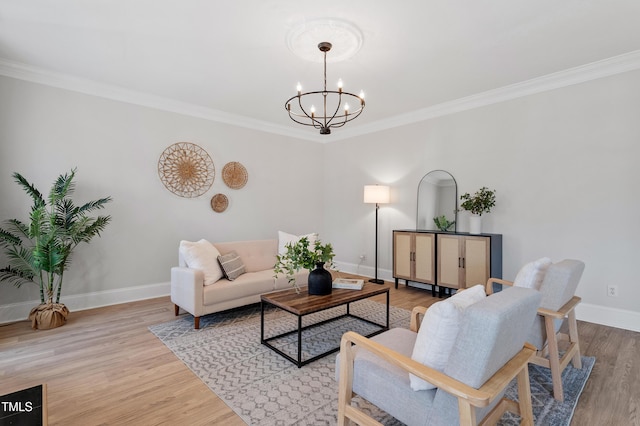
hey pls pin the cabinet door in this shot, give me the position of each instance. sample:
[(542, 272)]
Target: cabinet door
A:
[(424, 258), (402, 255), (476, 260), (449, 261)]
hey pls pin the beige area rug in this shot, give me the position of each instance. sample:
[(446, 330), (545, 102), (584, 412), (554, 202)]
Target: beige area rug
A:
[(263, 388)]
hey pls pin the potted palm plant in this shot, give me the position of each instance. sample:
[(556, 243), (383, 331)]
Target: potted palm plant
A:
[(299, 256), (39, 252), (481, 202)]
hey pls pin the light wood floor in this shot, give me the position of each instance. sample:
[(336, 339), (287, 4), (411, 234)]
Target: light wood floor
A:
[(104, 367)]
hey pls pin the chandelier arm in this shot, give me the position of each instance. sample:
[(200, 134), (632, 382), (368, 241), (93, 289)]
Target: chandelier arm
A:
[(293, 117), (313, 120), (328, 123), (315, 123), (349, 117)]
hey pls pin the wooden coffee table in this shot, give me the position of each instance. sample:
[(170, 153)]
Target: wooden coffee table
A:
[(303, 304)]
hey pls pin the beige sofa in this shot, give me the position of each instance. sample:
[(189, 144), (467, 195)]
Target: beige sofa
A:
[(189, 292)]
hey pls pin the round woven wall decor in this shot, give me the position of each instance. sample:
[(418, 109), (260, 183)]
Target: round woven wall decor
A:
[(219, 203), (186, 169), (234, 175)]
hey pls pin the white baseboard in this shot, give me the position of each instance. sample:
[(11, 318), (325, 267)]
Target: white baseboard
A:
[(611, 317), (79, 302), (365, 271)]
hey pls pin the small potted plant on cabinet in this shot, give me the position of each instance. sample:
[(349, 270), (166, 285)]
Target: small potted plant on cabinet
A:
[(481, 202)]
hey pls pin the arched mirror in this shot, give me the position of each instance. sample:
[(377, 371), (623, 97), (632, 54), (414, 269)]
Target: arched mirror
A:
[(437, 202)]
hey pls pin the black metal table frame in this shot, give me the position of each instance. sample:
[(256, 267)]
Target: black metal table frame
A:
[(299, 362)]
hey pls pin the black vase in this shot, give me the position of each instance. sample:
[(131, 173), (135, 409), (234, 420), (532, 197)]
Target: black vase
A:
[(320, 280)]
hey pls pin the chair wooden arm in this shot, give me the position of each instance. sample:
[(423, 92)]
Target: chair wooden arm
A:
[(563, 311), (489, 287), (476, 397), (416, 313)]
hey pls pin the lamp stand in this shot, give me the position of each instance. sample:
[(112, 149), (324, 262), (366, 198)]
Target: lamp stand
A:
[(376, 280)]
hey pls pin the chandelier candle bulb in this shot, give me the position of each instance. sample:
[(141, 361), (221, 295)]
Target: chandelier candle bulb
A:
[(299, 89)]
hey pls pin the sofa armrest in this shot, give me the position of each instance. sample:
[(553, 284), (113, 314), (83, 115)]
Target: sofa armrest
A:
[(187, 286)]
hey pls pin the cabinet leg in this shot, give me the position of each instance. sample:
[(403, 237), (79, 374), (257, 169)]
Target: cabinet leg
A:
[(396, 283)]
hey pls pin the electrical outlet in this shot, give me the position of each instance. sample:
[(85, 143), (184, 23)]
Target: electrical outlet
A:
[(612, 290), (363, 257)]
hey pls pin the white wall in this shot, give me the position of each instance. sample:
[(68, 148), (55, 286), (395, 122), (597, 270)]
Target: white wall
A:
[(116, 146), (563, 164)]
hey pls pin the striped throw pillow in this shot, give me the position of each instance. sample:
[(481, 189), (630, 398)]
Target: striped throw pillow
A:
[(231, 265)]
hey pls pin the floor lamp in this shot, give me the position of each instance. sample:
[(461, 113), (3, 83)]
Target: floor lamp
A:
[(376, 194)]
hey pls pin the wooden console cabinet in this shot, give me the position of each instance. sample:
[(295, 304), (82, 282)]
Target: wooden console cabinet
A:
[(414, 257), (446, 259)]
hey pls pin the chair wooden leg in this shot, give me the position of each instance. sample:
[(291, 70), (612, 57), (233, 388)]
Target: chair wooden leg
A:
[(467, 413), (196, 323), (573, 338), (345, 382), (176, 309), (554, 359), (524, 397)]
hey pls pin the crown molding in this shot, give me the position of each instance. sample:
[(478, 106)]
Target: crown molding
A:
[(595, 70), (604, 68), (63, 81)]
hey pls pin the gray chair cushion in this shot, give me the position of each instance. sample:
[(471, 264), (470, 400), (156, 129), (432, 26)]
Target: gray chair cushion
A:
[(386, 385), (491, 333), (558, 287)]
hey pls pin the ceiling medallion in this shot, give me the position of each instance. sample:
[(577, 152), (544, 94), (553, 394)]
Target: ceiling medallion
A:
[(345, 37), (334, 112)]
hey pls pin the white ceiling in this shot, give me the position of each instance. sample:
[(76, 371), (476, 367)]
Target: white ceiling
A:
[(229, 60)]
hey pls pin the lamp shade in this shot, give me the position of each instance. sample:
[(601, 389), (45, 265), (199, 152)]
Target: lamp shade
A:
[(378, 194)]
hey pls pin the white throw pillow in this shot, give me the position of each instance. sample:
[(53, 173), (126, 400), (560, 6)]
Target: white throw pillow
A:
[(439, 330), (532, 274), (285, 238), (204, 256)]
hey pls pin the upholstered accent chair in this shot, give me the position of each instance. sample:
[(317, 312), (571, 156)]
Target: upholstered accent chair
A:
[(558, 288), (488, 353)]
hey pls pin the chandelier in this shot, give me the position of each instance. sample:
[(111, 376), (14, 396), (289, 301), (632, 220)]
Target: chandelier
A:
[(303, 111)]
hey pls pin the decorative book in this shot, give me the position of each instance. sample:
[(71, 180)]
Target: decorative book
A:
[(348, 283)]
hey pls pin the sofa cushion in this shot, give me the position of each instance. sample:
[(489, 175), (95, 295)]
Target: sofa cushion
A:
[(257, 255), (231, 265), (204, 256), (532, 274), (285, 238), (439, 330), (247, 284)]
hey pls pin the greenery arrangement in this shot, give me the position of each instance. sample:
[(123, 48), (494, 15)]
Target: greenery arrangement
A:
[(40, 251), (442, 223), (481, 202), (301, 256)]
